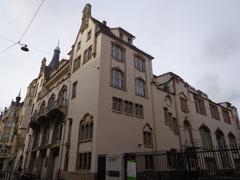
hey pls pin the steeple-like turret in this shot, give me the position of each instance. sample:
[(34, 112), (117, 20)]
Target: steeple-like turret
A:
[(18, 98), (55, 59)]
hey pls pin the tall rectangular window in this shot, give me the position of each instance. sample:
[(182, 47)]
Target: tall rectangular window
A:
[(128, 107), (84, 161), (74, 89), (139, 63), (147, 138), (226, 116), (200, 106), (78, 45), (117, 104), (139, 110), (87, 55), (184, 105), (140, 87), (168, 118), (89, 34), (214, 111), (117, 53), (77, 63)]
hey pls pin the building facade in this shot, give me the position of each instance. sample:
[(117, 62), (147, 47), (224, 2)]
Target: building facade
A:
[(106, 100), (8, 137)]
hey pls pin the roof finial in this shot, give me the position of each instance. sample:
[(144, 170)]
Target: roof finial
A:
[(19, 94), (57, 48)]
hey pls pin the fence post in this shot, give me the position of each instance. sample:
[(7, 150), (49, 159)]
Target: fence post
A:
[(189, 168)]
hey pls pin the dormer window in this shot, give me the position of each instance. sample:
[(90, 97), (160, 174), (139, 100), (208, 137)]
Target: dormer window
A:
[(118, 53)]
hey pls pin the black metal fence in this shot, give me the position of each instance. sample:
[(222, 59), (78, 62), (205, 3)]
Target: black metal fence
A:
[(188, 164), (11, 175)]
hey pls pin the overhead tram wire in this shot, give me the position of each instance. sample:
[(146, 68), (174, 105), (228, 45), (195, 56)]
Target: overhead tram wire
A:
[(19, 41), (8, 47), (31, 20), (34, 48)]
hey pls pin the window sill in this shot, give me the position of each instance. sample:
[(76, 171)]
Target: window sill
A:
[(129, 114), (83, 170), (141, 117), (143, 71), (123, 89), (85, 141), (118, 60), (119, 112), (146, 97), (148, 146)]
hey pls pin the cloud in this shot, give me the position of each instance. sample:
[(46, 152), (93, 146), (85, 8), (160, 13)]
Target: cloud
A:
[(219, 91), (222, 45)]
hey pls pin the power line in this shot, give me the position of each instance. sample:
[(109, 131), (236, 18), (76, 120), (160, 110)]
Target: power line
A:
[(8, 47), (34, 48), (5, 39), (31, 20), (18, 42)]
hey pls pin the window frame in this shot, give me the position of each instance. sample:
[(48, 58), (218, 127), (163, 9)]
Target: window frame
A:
[(200, 105), (118, 53), (184, 104), (74, 90), (140, 91), (214, 111), (226, 116), (137, 65), (117, 102), (118, 77)]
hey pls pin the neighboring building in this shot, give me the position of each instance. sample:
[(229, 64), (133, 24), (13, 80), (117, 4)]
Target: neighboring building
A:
[(193, 119), (8, 139), (23, 123), (106, 100)]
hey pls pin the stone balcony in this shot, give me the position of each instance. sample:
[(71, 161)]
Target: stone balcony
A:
[(45, 112)]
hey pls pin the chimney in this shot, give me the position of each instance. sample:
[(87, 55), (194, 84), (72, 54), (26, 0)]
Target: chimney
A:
[(104, 23)]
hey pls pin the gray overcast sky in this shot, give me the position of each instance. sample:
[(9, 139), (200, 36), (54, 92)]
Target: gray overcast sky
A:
[(196, 39)]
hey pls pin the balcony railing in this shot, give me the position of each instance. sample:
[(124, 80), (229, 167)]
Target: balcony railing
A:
[(59, 103)]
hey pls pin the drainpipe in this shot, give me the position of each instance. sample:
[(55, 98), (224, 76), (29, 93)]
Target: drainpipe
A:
[(177, 117), (154, 125)]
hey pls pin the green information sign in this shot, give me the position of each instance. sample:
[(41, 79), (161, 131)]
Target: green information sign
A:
[(131, 170)]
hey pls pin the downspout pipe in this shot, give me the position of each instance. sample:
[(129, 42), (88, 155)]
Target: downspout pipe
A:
[(176, 109)]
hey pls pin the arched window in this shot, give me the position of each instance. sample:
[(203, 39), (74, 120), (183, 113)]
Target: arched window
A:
[(86, 128), (82, 133), (205, 134), (57, 132), (118, 53), (147, 136), (222, 145), (188, 134), (62, 96), (232, 141), (220, 139), (184, 103), (45, 135), (118, 78), (91, 130), (51, 101), (140, 87)]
